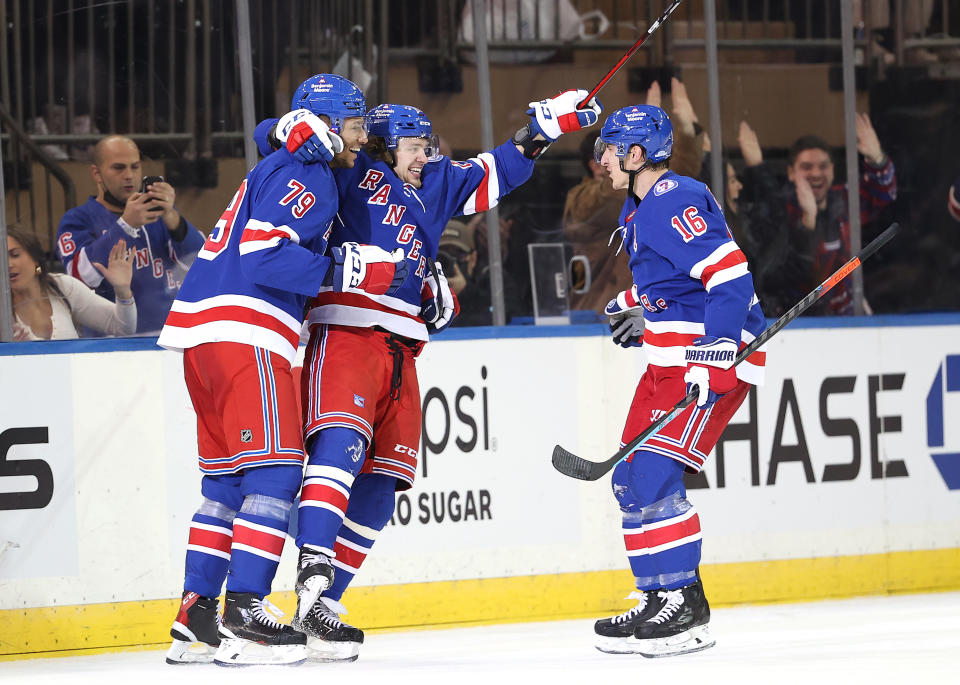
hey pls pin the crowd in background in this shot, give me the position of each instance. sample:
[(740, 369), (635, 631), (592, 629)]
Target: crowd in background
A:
[(787, 209)]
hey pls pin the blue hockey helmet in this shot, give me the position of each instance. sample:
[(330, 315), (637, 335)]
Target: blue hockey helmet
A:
[(393, 122), (643, 125), (332, 95)]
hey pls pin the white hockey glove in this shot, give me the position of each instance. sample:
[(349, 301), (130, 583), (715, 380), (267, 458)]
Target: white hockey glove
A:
[(626, 318), (555, 116), (710, 368), (307, 137), (366, 267), (439, 305)]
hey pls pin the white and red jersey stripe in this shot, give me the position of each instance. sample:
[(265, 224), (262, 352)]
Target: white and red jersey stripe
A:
[(724, 264), (487, 193), (665, 342), (231, 318), (359, 309)]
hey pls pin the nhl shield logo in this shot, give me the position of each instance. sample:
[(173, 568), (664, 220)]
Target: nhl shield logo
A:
[(246, 435)]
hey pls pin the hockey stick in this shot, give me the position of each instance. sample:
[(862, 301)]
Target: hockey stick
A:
[(571, 465), (636, 46)]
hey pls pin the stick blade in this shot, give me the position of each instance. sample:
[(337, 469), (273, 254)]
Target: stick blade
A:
[(569, 464)]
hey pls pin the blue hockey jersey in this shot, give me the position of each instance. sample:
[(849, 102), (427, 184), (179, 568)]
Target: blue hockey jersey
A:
[(690, 275), (378, 208), (263, 259), (87, 233)]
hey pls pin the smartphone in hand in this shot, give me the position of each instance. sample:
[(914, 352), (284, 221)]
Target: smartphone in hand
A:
[(147, 180)]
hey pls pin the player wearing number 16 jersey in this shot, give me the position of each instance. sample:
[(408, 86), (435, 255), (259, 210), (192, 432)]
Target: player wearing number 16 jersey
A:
[(692, 287), (237, 319)]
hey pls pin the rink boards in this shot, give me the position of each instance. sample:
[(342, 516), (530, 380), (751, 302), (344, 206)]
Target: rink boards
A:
[(840, 476)]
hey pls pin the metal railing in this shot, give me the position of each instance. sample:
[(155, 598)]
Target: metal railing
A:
[(22, 155), (165, 71)]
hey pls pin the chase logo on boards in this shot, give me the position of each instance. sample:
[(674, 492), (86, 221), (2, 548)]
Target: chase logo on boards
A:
[(946, 380)]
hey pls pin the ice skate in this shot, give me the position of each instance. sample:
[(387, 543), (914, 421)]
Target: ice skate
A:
[(314, 575), (194, 632), (329, 638), (250, 635), (614, 633), (679, 627)]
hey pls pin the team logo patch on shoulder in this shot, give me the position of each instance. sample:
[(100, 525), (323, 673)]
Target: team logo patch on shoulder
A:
[(359, 400), (664, 186)]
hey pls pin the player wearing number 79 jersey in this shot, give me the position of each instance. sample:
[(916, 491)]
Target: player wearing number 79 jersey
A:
[(237, 318)]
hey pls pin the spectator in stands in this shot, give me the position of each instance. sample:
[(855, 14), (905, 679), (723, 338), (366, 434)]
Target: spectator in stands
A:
[(592, 209), (810, 217), (48, 306), (457, 254), (162, 242), (590, 216), (466, 244), (773, 260)]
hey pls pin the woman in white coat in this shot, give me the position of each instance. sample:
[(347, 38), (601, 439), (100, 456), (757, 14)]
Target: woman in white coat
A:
[(52, 306)]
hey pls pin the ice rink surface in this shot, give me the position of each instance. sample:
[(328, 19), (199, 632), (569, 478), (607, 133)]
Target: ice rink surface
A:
[(902, 639)]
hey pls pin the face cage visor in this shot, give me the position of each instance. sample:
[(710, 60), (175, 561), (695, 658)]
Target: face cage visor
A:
[(352, 123), (430, 146), (599, 147)]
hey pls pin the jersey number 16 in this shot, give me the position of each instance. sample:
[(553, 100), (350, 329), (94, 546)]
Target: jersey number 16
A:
[(691, 226)]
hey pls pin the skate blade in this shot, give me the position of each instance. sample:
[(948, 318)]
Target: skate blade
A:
[(326, 652), (312, 587), (183, 652), (694, 640), (240, 652), (615, 645)]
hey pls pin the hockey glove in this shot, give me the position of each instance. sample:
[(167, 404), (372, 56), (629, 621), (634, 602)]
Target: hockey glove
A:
[(710, 368), (626, 318), (366, 267), (307, 137), (555, 116), (439, 304)]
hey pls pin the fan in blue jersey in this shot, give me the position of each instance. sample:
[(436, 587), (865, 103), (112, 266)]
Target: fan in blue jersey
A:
[(692, 306), (237, 319), (161, 241), (362, 418)]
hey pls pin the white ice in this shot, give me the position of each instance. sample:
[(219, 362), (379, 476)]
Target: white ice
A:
[(905, 639)]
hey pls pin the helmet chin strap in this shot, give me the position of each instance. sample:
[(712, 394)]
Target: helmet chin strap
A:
[(633, 176)]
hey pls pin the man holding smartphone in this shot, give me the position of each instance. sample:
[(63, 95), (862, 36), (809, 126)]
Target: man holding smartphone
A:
[(140, 211)]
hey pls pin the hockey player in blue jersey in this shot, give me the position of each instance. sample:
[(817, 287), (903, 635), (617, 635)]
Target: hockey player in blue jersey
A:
[(237, 319), (692, 306), (362, 412)]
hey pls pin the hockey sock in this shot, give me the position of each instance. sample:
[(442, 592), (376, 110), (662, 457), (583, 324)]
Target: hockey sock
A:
[(669, 540), (208, 548), (661, 529), (260, 528), (336, 456), (370, 509)]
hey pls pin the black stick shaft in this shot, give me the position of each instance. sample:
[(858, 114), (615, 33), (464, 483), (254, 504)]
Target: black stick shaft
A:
[(629, 53)]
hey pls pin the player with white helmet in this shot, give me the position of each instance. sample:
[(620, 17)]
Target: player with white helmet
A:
[(362, 417), (692, 306), (237, 320)]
